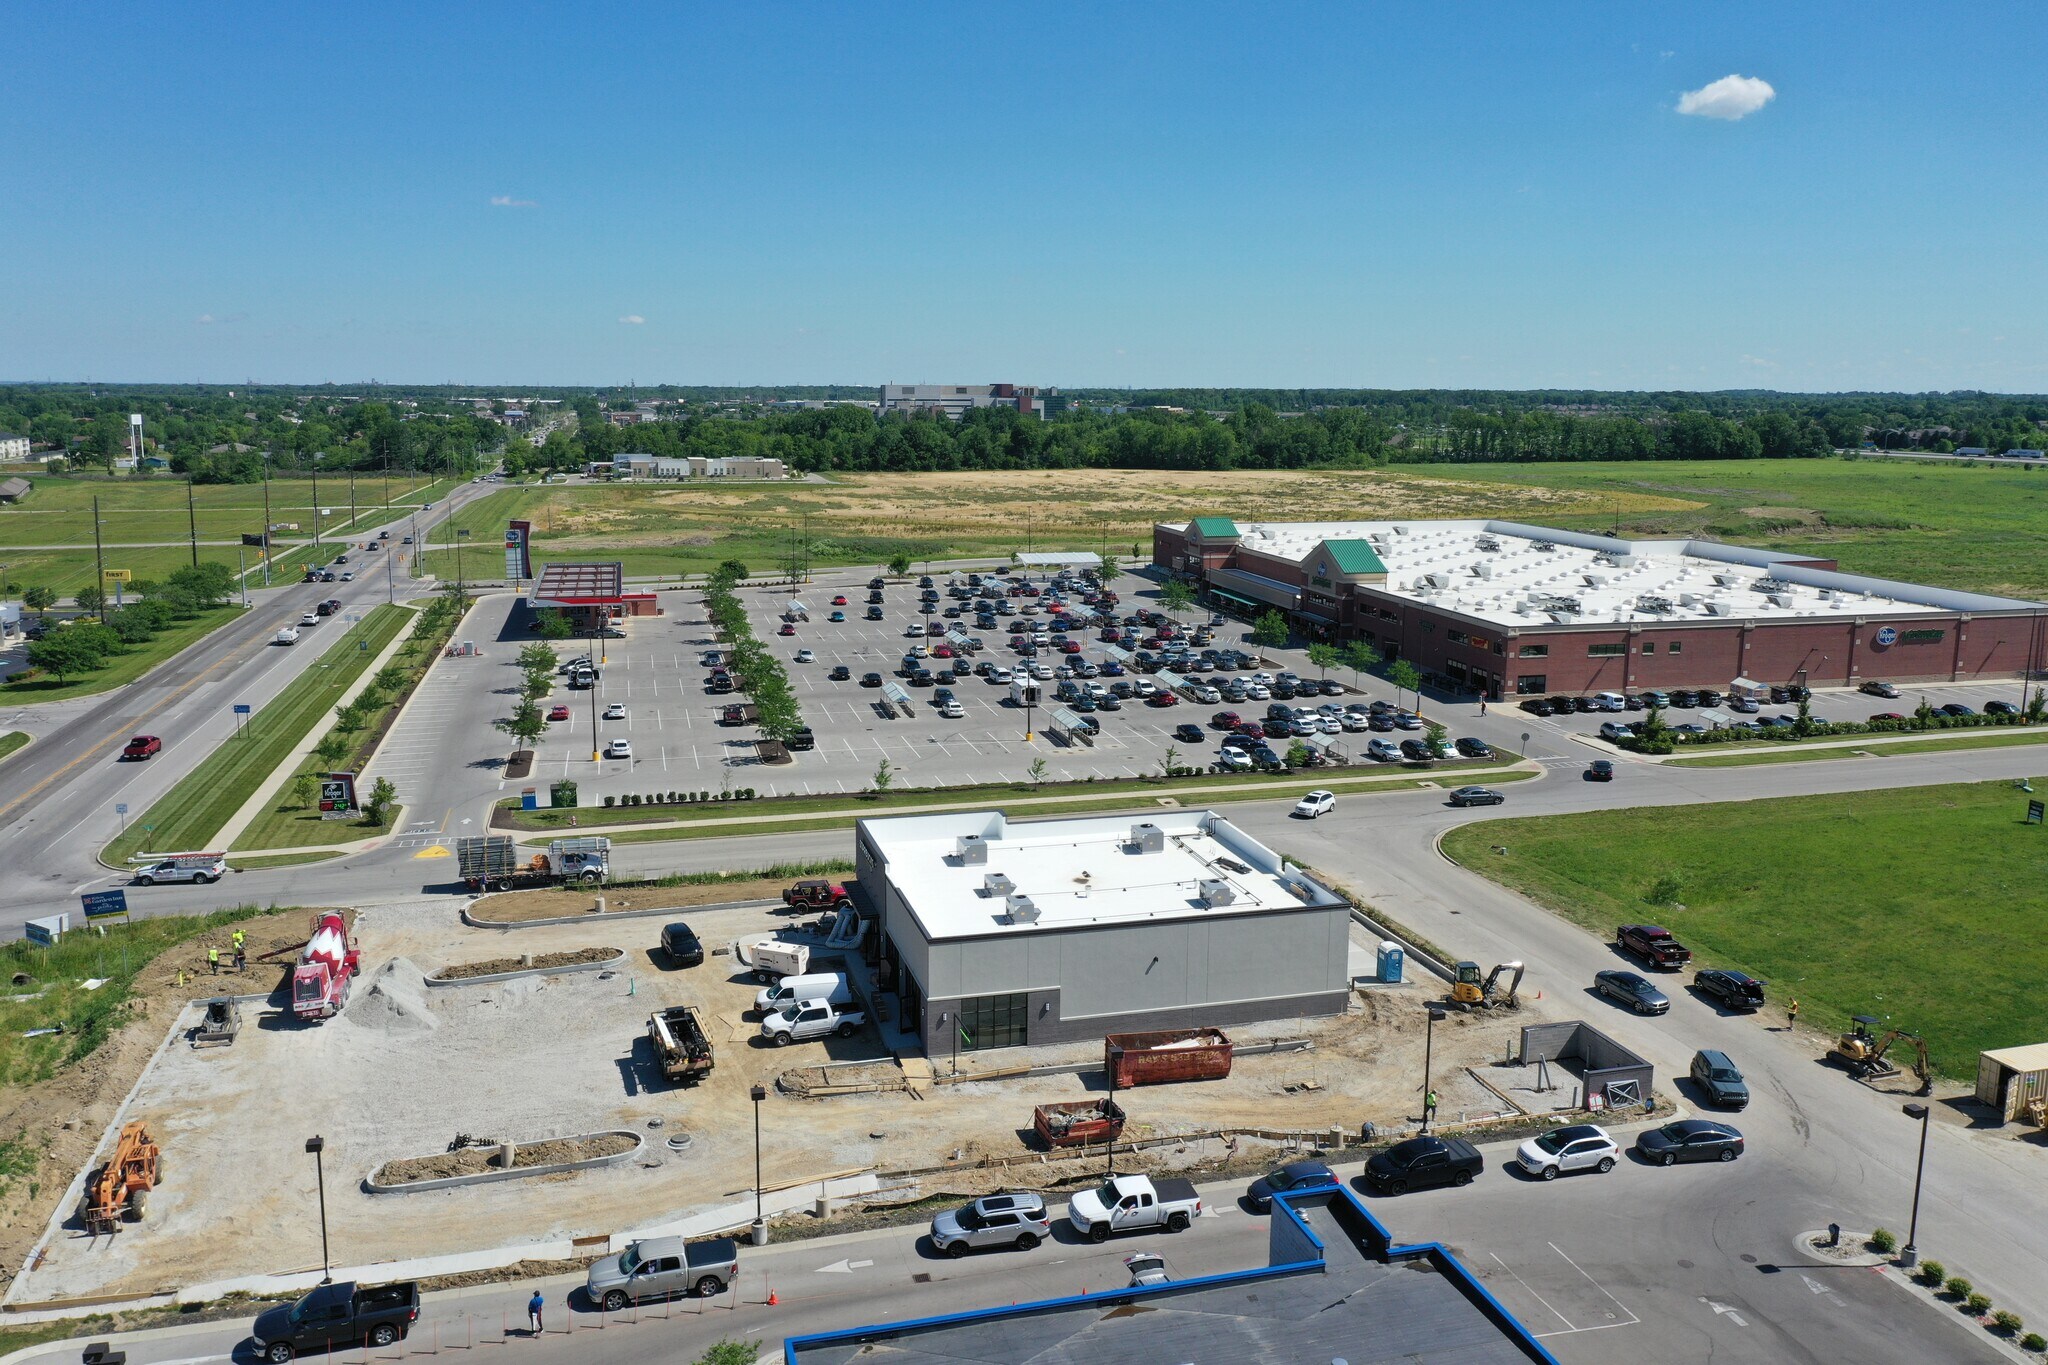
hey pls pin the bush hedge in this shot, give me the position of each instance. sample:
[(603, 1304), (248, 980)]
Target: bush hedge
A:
[(1821, 728)]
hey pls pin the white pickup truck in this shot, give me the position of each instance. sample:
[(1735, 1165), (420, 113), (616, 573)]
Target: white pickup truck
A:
[(811, 1019), (1133, 1203)]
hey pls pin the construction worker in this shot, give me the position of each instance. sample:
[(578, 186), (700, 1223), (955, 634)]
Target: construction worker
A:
[(1429, 1108), (213, 960), (241, 942)]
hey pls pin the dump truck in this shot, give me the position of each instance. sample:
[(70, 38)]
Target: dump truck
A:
[(1078, 1123), (328, 962), (680, 1044), (491, 862), (119, 1190), (1166, 1055)]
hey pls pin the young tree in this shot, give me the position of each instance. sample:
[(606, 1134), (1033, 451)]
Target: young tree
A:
[(1803, 723), (1324, 657), (554, 625), (1439, 739), (302, 789), (388, 679), (1168, 761), (350, 718), (899, 564), (1654, 731), (734, 570), (1176, 596), (885, 776), (38, 599), (2037, 706), (1297, 755), (380, 800), (1360, 657), (89, 600), (331, 749), (537, 657), (1923, 714), (1269, 632), (1036, 772), (777, 714), (64, 655), (526, 723), (1405, 678), (730, 1353)]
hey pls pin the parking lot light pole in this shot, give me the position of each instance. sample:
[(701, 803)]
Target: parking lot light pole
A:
[(316, 1145), (1436, 1012), (596, 750), (1909, 1255), (759, 1093)]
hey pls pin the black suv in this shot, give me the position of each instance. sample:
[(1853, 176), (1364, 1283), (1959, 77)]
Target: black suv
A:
[(1422, 1162), (1717, 1077), (679, 942), (1736, 990)]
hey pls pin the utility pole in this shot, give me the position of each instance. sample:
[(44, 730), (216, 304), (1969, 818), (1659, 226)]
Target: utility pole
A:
[(99, 558), (316, 501), (351, 501), (192, 523), (266, 518)]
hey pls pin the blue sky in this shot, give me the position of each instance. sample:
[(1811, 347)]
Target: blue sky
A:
[(1466, 195)]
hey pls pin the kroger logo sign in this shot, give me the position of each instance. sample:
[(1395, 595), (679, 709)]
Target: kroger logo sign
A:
[(1887, 635)]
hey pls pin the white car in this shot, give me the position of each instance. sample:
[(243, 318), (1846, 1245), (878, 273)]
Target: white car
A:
[(1315, 803), (1145, 687), (1354, 721), (287, 636), (1237, 760), (1000, 676), (348, 576), (309, 619), (913, 632), (952, 710), (1147, 1268), (1205, 694), (1263, 678), (919, 652), (619, 748), (1042, 672), (804, 656), (1581, 1147), (1330, 725), (1259, 692), (616, 711)]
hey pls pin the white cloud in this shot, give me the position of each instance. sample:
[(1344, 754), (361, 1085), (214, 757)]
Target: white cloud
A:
[(1759, 362), (204, 317), (506, 201), (633, 319), (1730, 98)]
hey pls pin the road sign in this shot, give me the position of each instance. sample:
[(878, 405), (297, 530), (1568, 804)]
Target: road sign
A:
[(243, 708), (104, 904), (47, 930), (120, 808)]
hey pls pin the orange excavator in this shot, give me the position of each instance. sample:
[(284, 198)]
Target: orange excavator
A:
[(120, 1189)]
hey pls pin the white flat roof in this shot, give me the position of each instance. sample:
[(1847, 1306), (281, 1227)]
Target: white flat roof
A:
[(1081, 872), (1515, 575)]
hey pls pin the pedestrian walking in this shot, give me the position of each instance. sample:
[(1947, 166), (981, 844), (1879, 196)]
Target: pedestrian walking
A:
[(1792, 1015), (533, 1306), (213, 960), (1482, 706)]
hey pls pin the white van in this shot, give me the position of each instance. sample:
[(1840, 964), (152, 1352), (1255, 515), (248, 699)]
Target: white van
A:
[(1610, 701), (828, 986)]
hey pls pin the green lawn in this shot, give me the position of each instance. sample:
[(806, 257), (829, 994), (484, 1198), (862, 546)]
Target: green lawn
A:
[(1922, 906), (1961, 526), (193, 812), (125, 667), (1802, 753), (10, 740)]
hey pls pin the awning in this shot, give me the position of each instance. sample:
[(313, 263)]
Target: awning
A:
[(895, 693), (1747, 685), (1079, 558), (1322, 743), (1257, 588), (1716, 719)]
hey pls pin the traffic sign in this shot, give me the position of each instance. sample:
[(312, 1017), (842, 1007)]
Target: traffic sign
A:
[(243, 708), (120, 808)]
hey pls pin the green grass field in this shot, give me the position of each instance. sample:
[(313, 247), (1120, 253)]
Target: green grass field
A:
[(145, 529), (1961, 526), (11, 740), (125, 667), (1745, 756), (193, 812), (1922, 906)]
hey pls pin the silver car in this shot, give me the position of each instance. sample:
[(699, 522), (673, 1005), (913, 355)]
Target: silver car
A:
[(996, 1220)]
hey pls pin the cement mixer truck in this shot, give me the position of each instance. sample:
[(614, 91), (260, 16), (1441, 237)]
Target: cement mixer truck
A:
[(327, 963)]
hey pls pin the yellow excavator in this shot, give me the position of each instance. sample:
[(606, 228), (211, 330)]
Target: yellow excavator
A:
[(1862, 1050), (1469, 992)]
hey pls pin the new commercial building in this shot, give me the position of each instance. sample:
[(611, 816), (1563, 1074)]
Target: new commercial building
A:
[(694, 467), (1000, 934), (956, 400), (1510, 609)]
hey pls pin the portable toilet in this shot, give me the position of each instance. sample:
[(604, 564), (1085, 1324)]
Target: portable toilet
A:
[(1390, 964)]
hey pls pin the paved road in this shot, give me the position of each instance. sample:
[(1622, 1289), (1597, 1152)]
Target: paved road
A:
[(58, 796), (1580, 1261)]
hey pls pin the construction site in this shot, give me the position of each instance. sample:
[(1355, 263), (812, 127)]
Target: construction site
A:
[(519, 1055)]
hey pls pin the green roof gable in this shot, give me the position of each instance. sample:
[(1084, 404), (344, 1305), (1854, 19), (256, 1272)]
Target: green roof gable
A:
[(1353, 556), (1216, 528)]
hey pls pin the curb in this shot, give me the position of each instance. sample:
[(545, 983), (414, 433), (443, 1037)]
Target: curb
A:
[(371, 1186), (594, 917), (563, 970)]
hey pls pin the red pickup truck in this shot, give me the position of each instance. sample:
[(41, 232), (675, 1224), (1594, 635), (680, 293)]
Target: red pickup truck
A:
[(142, 746), (1653, 944)]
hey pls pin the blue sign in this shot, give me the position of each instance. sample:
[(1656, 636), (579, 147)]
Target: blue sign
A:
[(120, 808), (243, 708), (1887, 635), (104, 904)]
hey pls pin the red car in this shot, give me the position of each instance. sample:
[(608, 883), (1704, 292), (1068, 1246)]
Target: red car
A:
[(1226, 720), (839, 601), (142, 746), (1110, 635), (558, 712), (1164, 698), (942, 651), (1070, 646), (788, 628)]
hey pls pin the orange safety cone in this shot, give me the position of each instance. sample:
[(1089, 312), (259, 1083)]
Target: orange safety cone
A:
[(773, 1299)]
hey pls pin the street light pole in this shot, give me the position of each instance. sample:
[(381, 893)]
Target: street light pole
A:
[(1436, 1012), (1909, 1256), (758, 1093), (316, 500), (316, 1145), (596, 752)]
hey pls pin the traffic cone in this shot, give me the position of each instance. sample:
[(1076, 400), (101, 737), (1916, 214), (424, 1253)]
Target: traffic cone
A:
[(773, 1299)]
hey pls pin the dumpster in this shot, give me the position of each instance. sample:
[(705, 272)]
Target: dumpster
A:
[(1078, 1123), (1158, 1058), (1390, 964)]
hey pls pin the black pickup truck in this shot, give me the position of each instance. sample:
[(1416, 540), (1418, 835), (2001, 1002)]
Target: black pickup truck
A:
[(337, 1316), (1654, 945), (1421, 1162)]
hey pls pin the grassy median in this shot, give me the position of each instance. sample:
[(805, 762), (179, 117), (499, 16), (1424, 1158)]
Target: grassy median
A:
[(10, 741), (194, 811), (1746, 757), (1921, 906)]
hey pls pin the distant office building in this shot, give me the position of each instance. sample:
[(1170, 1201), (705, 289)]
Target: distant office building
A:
[(956, 400), (696, 467), (13, 447)]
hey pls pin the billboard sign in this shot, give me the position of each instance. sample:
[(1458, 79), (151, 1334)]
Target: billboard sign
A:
[(518, 560), (105, 904), (338, 796)]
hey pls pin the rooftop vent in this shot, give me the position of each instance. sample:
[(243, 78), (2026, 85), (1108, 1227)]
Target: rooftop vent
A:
[(1400, 530), (1545, 546), (1654, 605), (1779, 599), (1215, 891), (998, 884), (1482, 570), (1023, 910), (1437, 580), (1716, 606), (1148, 838), (973, 850), (1727, 580), (1594, 580), (1487, 543)]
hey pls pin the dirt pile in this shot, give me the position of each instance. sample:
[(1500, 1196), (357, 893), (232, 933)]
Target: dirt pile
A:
[(497, 965), (396, 1001), (479, 1160)]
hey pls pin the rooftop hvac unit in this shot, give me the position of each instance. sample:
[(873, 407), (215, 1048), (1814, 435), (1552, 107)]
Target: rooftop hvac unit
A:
[(1771, 585), (1654, 605), (1827, 594), (973, 850), (1482, 570), (1148, 838), (1622, 561), (1023, 910), (1727, 580), (1521, 608), (1594, 580), (1487, 543), (1563, 617), (1437, 580), (1779, 599), (998, 884), (1604, 559), (1215, 891), (1716, 606), (1689, 599), (1545, 546)]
